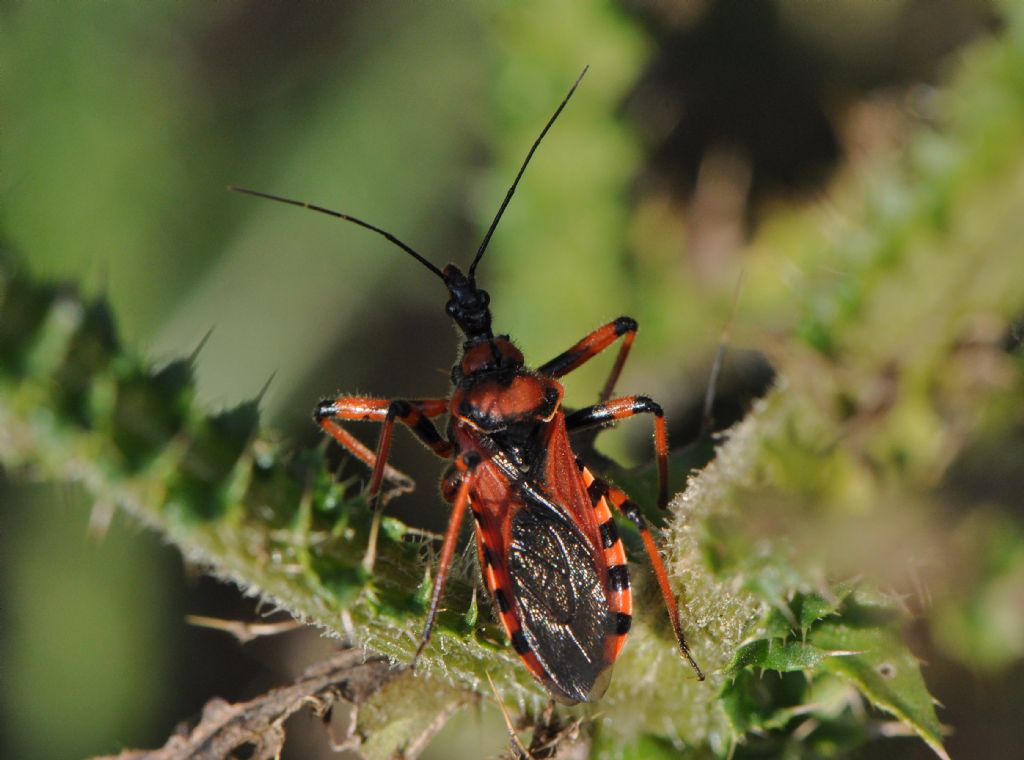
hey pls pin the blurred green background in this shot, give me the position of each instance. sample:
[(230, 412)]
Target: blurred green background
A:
[(700, 126)]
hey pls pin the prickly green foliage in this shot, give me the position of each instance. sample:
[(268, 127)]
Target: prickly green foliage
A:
[(877, 394), (279, 525), (844, 644), (76, 405)]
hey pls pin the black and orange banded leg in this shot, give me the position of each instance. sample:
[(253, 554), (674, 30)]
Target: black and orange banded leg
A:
[(598, 490), (622, 408), (465, 464), (620, 595), (591, 346), (415, 415)]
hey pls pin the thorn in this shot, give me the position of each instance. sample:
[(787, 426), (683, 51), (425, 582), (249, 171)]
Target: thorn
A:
[(202, 343), (100, 518), (266, 387), (371, 545), (348, 627)]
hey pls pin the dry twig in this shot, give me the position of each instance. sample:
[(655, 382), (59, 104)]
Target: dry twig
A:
[(351, 675)]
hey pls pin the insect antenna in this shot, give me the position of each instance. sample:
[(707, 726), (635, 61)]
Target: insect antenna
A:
[(345, 217), (512, 189)]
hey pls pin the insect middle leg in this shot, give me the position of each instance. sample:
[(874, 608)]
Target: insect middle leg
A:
[(591, 346), (599, 489), (465, 465), (414, 414), (621, 408)]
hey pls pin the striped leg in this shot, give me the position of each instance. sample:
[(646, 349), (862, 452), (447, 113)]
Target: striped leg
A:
[(621, 408), (599, 490), (465, 463), (415, 415), (591, 346), (621, 595)]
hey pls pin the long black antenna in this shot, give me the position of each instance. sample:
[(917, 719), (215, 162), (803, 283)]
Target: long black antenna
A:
[(511, 190), (345, 217)]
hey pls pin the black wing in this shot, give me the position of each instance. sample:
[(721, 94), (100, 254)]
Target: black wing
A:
[(562, 606)]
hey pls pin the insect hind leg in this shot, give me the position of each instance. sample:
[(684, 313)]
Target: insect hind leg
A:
[(599, 489)]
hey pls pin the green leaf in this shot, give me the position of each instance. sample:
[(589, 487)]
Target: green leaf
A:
[(877, 411), (885, 672), (855, 637), (762, 701), (781, 656), (810, 608)]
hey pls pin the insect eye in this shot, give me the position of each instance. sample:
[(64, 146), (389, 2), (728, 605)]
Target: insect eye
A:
[(451, 307), (551, 395), (485, 299)]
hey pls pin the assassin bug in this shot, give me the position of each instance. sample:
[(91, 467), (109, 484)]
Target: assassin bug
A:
[(548, 547)]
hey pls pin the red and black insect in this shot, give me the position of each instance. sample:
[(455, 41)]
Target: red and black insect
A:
[(548, 545)]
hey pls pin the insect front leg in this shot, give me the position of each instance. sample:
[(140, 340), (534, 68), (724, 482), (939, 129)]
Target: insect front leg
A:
[(591, 346), (465, 464), (621, 408), (599, 489), (414, 414)]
